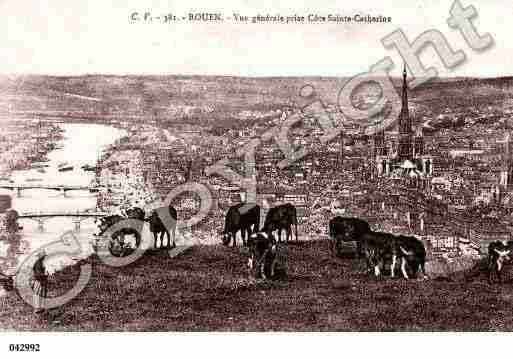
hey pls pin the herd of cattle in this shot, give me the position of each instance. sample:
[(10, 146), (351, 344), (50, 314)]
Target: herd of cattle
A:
[(382, 252)]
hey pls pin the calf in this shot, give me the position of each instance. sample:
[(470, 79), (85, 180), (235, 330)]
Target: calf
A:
[(262, 254), (498, 253), (347, 229)]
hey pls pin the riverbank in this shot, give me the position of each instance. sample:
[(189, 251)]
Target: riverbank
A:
[(24, 143), (208, 288)]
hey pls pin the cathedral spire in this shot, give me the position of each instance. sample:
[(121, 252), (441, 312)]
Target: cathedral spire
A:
[(405, 148), (404, 118), (405, 90)]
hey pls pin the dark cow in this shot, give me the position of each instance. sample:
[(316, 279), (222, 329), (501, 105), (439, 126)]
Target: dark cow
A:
[(498, 254), (243, 217), (412, 252), (281, 217), (345, 229), (157, 226), (262, 255), (379, 248)]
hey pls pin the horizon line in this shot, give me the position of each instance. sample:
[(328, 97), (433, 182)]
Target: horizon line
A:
[(149, 74)]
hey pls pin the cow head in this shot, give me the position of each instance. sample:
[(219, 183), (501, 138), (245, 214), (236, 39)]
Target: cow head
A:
[(135, 213)]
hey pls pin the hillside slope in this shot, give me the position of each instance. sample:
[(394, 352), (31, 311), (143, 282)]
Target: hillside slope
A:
[(207, 288)]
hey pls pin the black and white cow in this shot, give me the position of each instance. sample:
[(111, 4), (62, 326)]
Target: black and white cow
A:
[(412, 253), (243, 217), (262, 255), (345, 229), (281, 217), (379, 249), (123, 240), (382, 248), (498, 255)]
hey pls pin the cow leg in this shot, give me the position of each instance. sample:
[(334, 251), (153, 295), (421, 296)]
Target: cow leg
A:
[(174, 237), (491, 269), (377, 272), (261, 264), (234, 239), (499, 270), (422, 268), (403, 267), (251, 259), (392, 268), (155, 238), (168, 236), (275, 259), (358, 249)]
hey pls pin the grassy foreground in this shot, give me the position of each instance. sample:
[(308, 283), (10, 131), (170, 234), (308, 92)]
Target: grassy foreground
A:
[(208, 288)]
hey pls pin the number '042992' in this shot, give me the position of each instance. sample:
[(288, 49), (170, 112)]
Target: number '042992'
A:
[(24, 347)]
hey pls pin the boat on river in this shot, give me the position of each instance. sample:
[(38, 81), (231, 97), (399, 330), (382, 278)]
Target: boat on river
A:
[(89, 168), (64, 167)]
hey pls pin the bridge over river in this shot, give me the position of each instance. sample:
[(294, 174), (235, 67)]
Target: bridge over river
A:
[(61, 188), (77, 217)]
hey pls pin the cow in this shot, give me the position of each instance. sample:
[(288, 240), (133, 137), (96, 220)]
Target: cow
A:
[(262, 254), (345, 229), (281, 217), (117, 244), (498, 254), (412, 252), (243, 217), (379, 248), (157, 226)]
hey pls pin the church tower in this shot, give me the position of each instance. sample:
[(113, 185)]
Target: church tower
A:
[(379, 145), (507, 167), (405, 148)]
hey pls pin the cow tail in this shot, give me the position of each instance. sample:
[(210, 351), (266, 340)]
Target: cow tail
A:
[(295, 220)]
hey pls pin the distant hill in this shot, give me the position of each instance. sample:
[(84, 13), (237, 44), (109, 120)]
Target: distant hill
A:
[(208, 99)]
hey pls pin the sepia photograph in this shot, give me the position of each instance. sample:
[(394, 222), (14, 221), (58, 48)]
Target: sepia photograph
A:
[(283, 167)]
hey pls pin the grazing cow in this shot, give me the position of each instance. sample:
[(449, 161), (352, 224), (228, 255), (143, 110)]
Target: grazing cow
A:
[(379, 248), (281, 217), (347, 229), (498, 253), (157, 226), (247, 222), (262, 254), (412, 252)]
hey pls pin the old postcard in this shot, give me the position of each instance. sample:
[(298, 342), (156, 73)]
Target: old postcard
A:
[(274, 166)]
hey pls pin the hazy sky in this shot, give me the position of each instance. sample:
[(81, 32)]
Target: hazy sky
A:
[(98, 36)]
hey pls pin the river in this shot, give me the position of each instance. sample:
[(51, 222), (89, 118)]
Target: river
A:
[(82, 144)]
